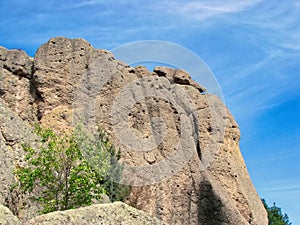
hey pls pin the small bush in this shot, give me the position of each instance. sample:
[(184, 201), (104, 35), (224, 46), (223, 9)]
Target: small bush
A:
[(70, 171)]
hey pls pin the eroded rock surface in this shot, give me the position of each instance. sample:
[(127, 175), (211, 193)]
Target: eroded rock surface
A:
[(7, 218), (179, 145), (13, 133), (108, 214), (16, 88)]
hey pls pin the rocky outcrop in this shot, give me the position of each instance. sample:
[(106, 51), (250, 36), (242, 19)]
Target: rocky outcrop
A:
[(7, 218), (178, 76), (108, 214), (13, 132), (179, 144), (16, 88)]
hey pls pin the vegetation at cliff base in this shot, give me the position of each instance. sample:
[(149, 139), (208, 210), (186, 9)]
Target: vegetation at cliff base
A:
[(275, 215), (69, 171)]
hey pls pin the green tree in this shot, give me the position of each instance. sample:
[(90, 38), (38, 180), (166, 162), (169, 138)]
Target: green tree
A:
[(275, 215), (69, 171)]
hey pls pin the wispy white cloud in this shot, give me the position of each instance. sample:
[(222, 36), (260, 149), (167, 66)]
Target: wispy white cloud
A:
[(259, 85), (281, 185), (278, 22), (205, 9), (283, 189), (242, 73), (87, 3)]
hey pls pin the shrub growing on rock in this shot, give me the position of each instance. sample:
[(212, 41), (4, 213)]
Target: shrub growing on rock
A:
[(69, 171)]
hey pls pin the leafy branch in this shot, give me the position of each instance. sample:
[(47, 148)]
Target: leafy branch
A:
[(69, 171)]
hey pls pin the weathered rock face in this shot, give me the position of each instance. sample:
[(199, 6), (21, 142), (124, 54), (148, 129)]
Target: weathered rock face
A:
[(16, 88), (7, 218), (13, 132), (109, 214), (179, 145)]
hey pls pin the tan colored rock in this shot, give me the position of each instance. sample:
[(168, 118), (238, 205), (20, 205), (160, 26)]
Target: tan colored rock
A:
[(179, 145), (59, 65), (17, 62), (141, 71), (13, 133), (108, 214), (178, 76), (16, 89), (7, 218)]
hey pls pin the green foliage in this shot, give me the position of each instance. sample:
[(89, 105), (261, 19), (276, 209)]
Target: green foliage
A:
[(275, 215), (70, 171)]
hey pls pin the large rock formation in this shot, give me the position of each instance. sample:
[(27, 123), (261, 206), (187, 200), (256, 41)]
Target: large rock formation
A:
[(179, 145)]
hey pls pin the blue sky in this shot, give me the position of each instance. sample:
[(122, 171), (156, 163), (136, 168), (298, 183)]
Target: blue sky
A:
[(252, 47)]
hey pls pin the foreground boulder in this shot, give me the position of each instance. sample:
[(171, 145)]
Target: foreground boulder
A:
[(7, 218), (179, 144), (108, 214)]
